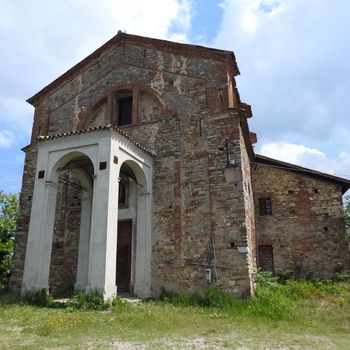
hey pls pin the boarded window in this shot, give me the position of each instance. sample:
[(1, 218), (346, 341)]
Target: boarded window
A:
[(265, 207), (125, 110), (265, 256)]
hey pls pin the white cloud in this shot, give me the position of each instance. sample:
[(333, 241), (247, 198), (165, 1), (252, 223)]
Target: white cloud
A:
[(293, 57), (41, 39), (16, 114), (308, 157), (6, 138), (249, 21)]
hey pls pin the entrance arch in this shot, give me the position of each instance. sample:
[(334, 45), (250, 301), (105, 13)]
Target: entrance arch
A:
[(134, 236), (71, 234), (133, 242)]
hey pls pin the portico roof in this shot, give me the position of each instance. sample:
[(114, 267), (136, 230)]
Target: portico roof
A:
[(95, 129)]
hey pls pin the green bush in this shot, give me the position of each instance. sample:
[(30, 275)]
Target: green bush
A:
[(91, 301), (262, 277), (8, 215), (272, 301), (38, 298), (342, 276), (210, 297)]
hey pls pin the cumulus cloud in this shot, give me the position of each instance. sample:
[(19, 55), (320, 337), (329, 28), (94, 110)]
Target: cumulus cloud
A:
[(308, 157), (16, 114), (294, 60), (6, 138), (293, 57), (42, 39)]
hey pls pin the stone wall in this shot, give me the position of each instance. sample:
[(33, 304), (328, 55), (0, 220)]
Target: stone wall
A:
[(65, 243), (305, 229), (23, 218), (180, 111)]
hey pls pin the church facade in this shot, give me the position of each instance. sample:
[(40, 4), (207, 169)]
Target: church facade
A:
[(141, 175)]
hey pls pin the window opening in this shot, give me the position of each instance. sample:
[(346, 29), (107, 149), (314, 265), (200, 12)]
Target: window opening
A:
[(265, 207), (125, 110)]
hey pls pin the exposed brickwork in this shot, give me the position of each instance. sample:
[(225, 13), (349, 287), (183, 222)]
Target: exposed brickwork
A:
[(23, 218), (305, 228), (65, 243), (181, 105), (185, 107)]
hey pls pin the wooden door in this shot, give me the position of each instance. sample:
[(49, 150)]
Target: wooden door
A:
[(123, 273), (265, 255)]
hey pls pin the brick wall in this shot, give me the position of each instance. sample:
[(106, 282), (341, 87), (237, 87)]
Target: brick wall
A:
[(305, 228), (180, 110)]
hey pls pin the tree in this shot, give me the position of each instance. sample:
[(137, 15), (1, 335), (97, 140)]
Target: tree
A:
[(347, 215), (8, 215)]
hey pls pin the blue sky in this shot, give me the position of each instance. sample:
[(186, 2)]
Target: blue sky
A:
[(293, 56)]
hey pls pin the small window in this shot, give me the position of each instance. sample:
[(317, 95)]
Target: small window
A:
[(265, 207), (125, 110)]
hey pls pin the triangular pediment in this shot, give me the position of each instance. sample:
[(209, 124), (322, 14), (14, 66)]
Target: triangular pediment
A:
[(148, 43)]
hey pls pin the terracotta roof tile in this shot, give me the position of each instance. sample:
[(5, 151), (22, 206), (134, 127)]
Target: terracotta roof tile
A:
[(94, 129)]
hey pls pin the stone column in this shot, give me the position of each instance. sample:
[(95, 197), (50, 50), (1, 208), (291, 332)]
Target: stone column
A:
[(38, 253), (142, 286), (103, 241), (84, 242)]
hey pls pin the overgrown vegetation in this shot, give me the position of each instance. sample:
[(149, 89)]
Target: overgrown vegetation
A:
[(79, 301), (273, 300), (346, 215), (8, 214), (291, 314), (38, 298), (92, 301)]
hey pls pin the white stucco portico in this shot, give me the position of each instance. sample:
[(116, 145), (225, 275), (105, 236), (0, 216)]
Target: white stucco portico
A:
[(106, 149)]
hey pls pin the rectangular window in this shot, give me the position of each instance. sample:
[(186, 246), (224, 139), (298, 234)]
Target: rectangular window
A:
[(125, 110), (265, 207)]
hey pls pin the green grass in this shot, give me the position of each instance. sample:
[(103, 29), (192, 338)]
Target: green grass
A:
[(294, 315)]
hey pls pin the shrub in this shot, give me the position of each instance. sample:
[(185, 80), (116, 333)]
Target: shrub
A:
[(210, 297), (273, 302), (90, 301), (38, 298), (342, 276), (8, 214), (262, 277)]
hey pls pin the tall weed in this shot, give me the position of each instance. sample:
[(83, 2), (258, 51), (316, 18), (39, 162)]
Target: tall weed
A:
[(38, 298)]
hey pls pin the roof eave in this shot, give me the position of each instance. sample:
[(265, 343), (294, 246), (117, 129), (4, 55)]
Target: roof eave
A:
[(344, 183)]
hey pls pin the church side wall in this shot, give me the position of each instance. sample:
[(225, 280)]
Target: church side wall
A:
[(305, 229)]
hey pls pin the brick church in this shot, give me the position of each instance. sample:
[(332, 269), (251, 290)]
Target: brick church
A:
[(141, 174)]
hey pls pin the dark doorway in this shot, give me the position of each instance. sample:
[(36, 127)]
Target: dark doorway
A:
[(265, 255), (123, 273)]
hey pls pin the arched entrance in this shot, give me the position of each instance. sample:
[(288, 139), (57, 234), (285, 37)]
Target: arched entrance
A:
[(132, 243), (70, 243)]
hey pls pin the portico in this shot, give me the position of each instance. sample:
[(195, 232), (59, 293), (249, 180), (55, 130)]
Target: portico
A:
[(95, 157)]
